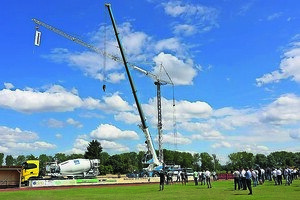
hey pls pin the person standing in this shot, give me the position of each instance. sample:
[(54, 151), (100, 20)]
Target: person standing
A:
[(214, 176), (196, 177), (243, 172), (254, 178), (248, 175), (274, 175), (279, 176), (203, 178), (183, 180), (161, 180), (236, 176), (207, 175), (263, 175), (178, 176)]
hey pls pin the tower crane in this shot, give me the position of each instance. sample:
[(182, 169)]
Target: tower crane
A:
[(154, 162)]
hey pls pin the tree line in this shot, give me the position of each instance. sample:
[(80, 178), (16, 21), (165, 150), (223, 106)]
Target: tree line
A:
[(129, 162)]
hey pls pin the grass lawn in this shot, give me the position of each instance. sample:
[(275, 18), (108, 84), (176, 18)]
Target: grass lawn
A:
[(220, 190)]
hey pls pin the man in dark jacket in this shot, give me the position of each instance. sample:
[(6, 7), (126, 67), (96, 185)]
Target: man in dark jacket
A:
[(161, 180)]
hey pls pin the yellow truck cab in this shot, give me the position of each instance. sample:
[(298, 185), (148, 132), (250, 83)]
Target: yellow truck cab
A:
[(30, 170)]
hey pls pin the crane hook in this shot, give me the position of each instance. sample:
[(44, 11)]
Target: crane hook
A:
[(104, 87)]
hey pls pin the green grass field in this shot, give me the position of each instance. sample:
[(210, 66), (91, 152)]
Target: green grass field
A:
[(220, 190)]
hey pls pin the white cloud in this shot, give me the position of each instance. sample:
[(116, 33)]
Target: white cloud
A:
[(284, 110), (274, 16), (139, 47), (115, 102), (58, 99), (184, 111), (9, 86), (185, 29), (55, 99), (110, 132), (91, 63), (295, 134), (222, 144), (289, 67), (189, 110), (17, 141), (195, 17), (253, 148), (128, 117), (172, 44), (116, 77), (141, 147), (133, 41), (170, 138), (111, 103), (111, 146), (180, 71), (14, 135), (75, 123), (212, 135), (82, 141), (54, 123)]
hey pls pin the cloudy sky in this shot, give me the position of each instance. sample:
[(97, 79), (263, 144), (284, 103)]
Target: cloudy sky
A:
[(235, 66)]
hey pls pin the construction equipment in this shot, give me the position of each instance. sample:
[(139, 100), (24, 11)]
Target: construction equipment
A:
[(76, 168), (157, 81), (155, 165)]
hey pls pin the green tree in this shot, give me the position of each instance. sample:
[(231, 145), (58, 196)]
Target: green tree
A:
[(75, 156), (1, 158), (43, 158), (206, 161), (168, 157), (217, 165), (187, 161), (196, 162), (129, 162), (104, 168), (178, 158), (94, 150), (60, 157), (140, 156), (117, 164), (297, 159), (20, 159), (9, 160), (241, 160), (261, 160), (31, 157), (281, 159)]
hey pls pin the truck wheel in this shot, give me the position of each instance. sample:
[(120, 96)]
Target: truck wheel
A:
[(155, 174)]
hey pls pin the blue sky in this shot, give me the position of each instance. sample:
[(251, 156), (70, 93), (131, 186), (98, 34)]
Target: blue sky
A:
[(235, 66)]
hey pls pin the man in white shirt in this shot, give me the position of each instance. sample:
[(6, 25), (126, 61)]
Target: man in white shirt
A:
[(236, 176), (279, 176), (263, 173), (207, 175), (243, 172), (274, 175)]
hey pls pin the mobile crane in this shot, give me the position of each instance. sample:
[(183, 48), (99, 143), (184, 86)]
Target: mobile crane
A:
[(155, 165), (150, 157)]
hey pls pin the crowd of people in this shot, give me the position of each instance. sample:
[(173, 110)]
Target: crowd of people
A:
[(182, 177), (245, 178)]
